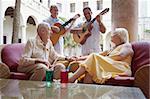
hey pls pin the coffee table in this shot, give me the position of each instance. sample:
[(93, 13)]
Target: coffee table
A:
[(23, 89)]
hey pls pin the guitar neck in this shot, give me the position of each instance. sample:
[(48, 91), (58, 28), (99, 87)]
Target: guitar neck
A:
[(101, 13), (66, 23), (95, 17), (93, 20)]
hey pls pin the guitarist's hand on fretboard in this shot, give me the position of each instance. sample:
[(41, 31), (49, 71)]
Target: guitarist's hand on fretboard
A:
[(90, 27), (55, 29), (99, 18)]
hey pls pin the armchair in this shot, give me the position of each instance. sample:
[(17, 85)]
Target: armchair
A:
[(140, 59), (10, 55)]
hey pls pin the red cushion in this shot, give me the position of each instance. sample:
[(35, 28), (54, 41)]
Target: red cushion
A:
[(20, 76), (128, 81), (11, 54), (141, 55)]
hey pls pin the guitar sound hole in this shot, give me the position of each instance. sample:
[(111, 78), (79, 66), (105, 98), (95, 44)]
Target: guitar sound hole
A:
[(84, 29)]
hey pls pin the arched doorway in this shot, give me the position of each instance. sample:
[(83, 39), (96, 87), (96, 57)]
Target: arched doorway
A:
[(8, 25), (31, 28)]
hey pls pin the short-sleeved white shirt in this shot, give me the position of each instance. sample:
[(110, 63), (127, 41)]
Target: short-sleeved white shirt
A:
[(59, 46), (92, 44)]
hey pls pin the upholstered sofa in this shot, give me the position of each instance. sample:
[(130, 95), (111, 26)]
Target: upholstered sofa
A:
[(140, 59), (140, 69), (11, 53)]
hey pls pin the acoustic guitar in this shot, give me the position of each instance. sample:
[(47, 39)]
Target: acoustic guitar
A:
[(55, 35), (80, 35)]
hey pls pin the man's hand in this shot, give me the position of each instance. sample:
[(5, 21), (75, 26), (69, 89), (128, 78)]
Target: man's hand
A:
[(82, 58), (70, 59), (99, 18), (43, 61), (52, 67), (76, 58)]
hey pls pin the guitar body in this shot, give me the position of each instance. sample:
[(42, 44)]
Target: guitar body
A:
[(55, 36), (81, 37), (62, 29)]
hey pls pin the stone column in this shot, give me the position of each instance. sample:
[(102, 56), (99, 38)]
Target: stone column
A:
[(1, 23), (125, 14)]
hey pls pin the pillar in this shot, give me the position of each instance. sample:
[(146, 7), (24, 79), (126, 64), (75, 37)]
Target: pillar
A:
[(1, 23), (125, 14)]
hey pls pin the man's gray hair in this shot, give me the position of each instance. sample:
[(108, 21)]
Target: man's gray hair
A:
[(43, 25), (122, 33)]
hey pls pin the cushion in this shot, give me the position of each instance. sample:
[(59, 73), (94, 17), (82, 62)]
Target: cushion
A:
[(11, 54), (124, 81), (141, 55), (20, 76), (4, 71)]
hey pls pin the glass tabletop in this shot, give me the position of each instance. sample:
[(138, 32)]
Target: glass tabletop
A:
[(23, 89)]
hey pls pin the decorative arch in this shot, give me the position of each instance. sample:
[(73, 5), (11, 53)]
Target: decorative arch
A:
[(32, 20), (8, 24), (9, 11), (31, 24)]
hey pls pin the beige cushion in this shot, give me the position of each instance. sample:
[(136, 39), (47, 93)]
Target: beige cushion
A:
[(4, 71)]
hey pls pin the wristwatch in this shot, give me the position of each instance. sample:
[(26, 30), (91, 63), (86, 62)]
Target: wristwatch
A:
[(66, 58)]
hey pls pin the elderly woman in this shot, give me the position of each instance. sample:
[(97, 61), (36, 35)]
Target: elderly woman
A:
[(100, 67)]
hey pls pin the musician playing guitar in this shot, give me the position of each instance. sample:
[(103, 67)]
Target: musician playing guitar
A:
[(51, 20), (57, 37), (92, 42)]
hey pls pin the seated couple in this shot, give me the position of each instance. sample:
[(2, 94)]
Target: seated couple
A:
[(97, 68), (40, 56)]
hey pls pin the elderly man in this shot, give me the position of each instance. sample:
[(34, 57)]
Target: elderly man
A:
[(40, 56)]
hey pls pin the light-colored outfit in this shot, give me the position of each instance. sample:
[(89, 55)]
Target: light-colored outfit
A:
[(92, 44), (35, 49), (59, 46), (102, 68)]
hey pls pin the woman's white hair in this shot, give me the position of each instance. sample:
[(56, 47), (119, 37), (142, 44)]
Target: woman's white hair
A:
[(122, 33)]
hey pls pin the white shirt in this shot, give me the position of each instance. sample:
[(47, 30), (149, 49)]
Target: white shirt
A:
[(35, 49), (59, 46), (92, 44)]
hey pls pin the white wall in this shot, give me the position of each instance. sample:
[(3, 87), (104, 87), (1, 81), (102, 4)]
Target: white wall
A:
[(148, 9), (30, 31), (28, 8), (142, 8), (1, 24), (8, 26)]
